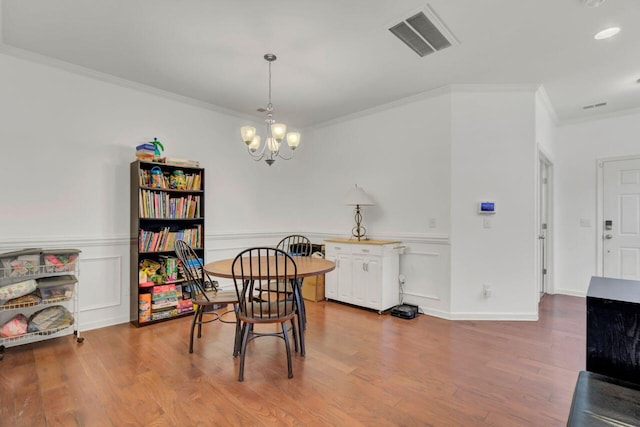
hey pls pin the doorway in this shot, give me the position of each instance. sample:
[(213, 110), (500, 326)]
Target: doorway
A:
[(545, 181), (618, 234)]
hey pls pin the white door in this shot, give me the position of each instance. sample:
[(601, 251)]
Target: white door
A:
[(544, 175), (621, 215)]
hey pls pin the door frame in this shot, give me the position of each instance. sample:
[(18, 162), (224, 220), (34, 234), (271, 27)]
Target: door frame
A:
[(600, 207), (550, 289)]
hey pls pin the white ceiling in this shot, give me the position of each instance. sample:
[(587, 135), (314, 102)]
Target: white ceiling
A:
[(337, 57)]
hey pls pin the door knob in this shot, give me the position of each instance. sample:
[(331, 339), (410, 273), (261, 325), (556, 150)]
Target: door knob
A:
[(608, 236)]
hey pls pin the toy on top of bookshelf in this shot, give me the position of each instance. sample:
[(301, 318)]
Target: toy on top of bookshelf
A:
[(150, 150), (158, 147)]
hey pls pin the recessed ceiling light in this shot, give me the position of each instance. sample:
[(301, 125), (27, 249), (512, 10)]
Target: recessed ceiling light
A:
[(606, 33)]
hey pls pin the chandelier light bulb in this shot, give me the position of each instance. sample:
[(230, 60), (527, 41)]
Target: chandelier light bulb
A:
[(247, 133), (278, 130), (293, 140), (254, 144), (273, 144)]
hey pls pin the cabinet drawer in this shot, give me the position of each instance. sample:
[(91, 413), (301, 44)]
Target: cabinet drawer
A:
[(337, 248), (367, 250)]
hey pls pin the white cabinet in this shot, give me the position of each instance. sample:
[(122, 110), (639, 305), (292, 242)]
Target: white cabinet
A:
[(366, 273)]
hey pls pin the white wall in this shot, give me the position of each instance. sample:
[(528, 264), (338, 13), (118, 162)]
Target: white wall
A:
[(400, 155), (493, 158), (578, 148), (69, 137), (67, 142)]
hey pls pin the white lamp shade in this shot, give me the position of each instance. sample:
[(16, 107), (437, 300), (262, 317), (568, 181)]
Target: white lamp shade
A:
[(357, 196), (273, 145), (247, 133), (254, 144), (293, 140), (278, 130)]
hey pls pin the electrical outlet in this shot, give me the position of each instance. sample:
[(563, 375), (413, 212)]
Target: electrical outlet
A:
[(486, 290), (432, 223), (486, 222)]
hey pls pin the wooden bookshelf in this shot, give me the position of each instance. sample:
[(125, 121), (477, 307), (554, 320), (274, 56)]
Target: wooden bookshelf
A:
[(160, 215)]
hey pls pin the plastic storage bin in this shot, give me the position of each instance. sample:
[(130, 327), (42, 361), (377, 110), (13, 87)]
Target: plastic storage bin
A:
[(57, 287), (60, 260), (19, 265)]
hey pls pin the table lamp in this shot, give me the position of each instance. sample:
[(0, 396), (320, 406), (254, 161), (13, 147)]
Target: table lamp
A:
[(357, 197)]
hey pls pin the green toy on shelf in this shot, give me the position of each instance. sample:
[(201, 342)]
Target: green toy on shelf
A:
[(158, 147)]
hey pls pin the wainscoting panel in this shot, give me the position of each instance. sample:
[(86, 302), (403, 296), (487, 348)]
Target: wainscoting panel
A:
[(100, 270), (104, 269), (425, 267)]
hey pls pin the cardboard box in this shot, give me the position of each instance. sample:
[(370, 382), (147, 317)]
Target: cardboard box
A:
[(313, 288)]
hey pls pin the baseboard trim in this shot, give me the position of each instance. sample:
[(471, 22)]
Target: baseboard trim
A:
[(495, 316)]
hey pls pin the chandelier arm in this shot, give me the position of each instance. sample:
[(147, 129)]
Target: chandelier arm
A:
[(283, 157), (258, 155)]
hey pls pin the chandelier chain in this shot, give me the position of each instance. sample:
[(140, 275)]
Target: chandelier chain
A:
[(270, 105)]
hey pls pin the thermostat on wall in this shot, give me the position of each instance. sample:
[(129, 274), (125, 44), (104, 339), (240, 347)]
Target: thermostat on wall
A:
[(486, 208)]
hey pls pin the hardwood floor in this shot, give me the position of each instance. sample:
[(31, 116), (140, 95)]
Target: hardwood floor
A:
[(360, 369)]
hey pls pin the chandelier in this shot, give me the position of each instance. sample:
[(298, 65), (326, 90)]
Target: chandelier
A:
[(276, 132)]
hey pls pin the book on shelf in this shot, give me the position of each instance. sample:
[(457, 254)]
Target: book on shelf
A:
[(146, 146), (160, 205), (164, 239)]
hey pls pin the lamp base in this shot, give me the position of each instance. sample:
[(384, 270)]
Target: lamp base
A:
[(359, 232)]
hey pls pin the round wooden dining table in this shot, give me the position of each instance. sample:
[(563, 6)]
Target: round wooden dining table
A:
[(305, 266)]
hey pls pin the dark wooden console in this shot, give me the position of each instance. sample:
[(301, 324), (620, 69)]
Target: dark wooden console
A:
[(613, 328)]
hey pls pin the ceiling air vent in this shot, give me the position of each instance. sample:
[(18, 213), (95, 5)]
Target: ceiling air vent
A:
[(600, 104), (423, 32)]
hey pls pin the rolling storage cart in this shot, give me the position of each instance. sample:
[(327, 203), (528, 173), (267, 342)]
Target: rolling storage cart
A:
[(39, 296)]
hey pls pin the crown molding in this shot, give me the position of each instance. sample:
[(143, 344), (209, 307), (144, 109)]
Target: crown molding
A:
[(543, 97), (598, 117), (108, 78), (443, 90), (479, 88)]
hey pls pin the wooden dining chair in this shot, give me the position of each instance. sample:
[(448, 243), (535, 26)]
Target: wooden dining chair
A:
[(298, 245), (295, 244), (254, 270), (205, 301)]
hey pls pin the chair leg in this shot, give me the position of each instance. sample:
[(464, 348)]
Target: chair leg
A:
[(300, 316), (294, 332), (286, 343), (303, 307), (193, 327), (238, 337), (201, 311), (243, 350)]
